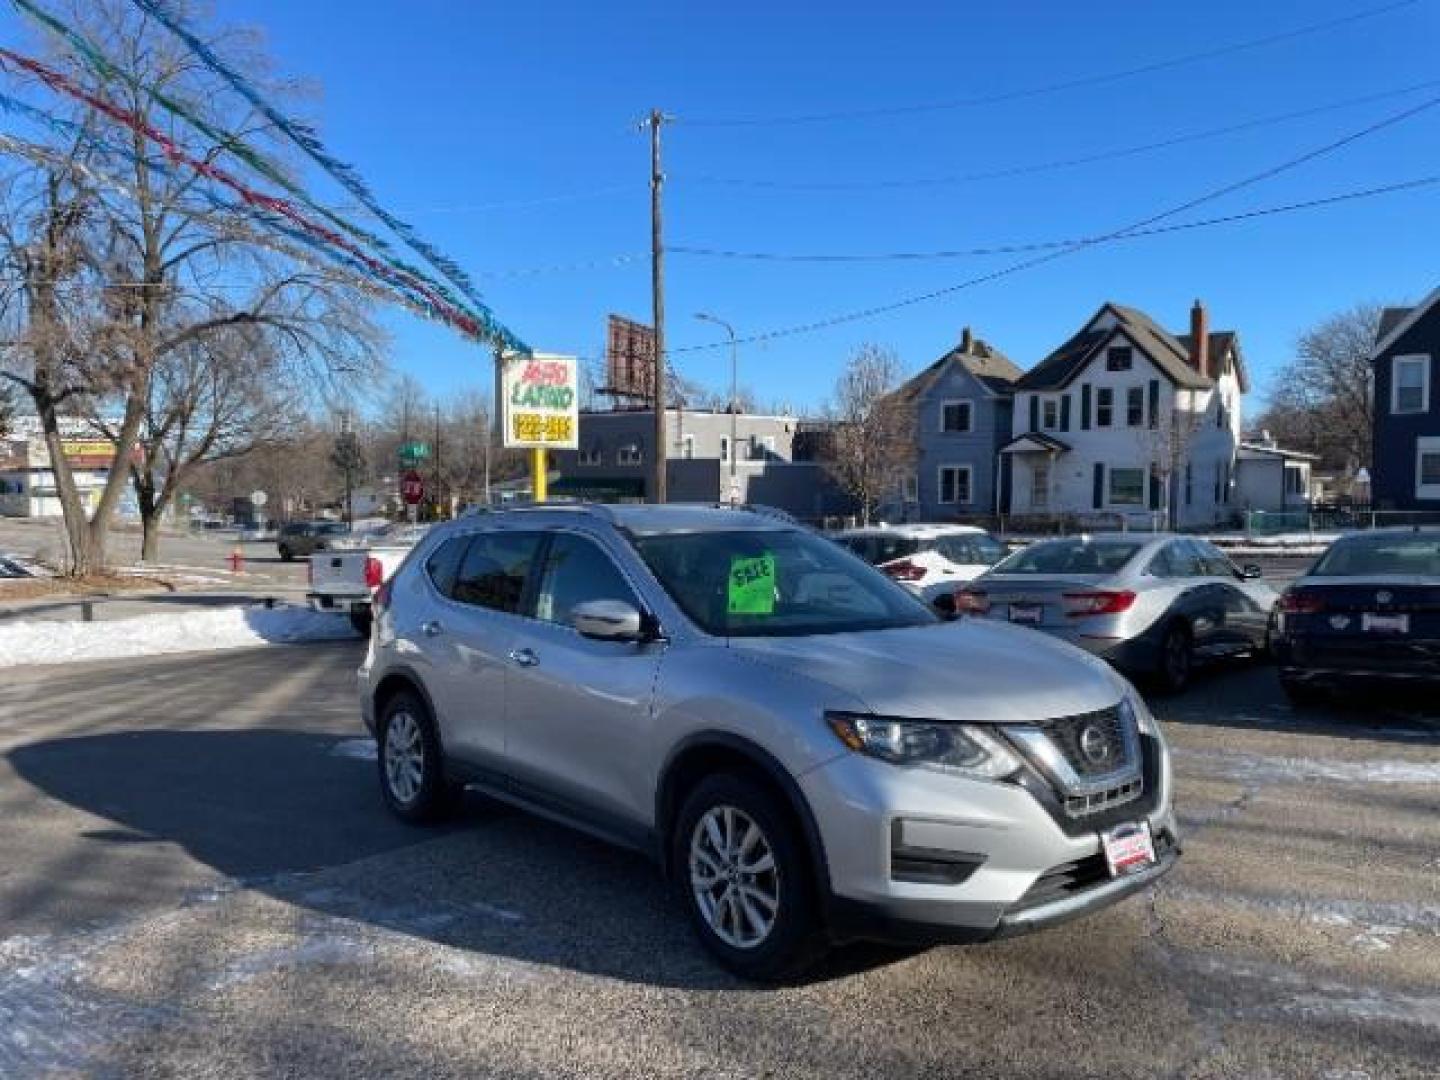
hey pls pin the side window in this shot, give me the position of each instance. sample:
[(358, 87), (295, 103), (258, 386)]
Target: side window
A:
[(1189, 561), (1165, 563), (444, 564), (577, 570), (1215, 562), (495, 569)]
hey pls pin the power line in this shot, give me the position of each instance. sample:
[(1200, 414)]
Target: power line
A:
[(1015, 268), (1046, 245), (1058, 163), (1058, 87)]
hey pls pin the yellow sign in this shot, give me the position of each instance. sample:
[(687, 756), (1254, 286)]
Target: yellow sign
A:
[(540, 399)]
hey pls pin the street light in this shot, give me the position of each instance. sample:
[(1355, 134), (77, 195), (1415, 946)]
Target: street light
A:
[(734, 395)]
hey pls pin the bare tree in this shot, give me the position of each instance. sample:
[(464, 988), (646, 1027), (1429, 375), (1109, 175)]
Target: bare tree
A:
[(129, 281), (1165, 448), (1323, 398), (874, 446), (7, 409)]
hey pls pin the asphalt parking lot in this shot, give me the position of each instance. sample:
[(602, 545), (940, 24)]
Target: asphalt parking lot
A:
[(197, 879)]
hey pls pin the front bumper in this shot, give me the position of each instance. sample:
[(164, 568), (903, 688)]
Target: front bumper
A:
[(995, 860)]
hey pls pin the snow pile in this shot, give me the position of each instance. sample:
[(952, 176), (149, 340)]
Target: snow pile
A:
[(154, 635)]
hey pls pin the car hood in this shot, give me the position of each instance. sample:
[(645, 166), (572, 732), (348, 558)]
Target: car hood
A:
[(970, 669)]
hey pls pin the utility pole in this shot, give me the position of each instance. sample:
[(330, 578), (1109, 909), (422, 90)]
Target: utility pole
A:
[(654, 122), (439, 514)]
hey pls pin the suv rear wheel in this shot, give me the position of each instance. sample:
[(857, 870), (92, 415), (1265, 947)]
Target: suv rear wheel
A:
[(412, 764), (743, 877)]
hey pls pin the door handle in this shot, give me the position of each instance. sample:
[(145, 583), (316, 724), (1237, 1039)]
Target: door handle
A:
[(524, 657), (431, 628)]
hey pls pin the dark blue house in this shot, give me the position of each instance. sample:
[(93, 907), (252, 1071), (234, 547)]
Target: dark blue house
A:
[(1406, 466)]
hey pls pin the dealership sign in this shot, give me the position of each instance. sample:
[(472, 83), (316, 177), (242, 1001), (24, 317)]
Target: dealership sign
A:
[(540, 401)]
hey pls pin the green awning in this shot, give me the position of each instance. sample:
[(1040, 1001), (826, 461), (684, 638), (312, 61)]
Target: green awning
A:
[(599, 488)]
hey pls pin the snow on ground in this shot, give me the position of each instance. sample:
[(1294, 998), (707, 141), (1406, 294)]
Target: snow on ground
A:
[(153, 635), (1261, 768)]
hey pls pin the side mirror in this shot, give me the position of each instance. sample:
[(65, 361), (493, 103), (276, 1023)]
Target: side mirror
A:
[(1250, 571), (607, 620)]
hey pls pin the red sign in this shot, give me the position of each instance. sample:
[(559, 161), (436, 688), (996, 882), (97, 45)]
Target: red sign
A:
[(412, 488)]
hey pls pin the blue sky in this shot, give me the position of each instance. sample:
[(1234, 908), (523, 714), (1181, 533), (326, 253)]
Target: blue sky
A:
[(505, 134)]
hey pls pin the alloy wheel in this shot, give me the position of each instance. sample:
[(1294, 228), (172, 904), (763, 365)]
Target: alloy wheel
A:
[(404, 757), (733, 876)]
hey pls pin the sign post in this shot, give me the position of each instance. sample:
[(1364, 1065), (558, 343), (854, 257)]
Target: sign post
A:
[(540, 406)]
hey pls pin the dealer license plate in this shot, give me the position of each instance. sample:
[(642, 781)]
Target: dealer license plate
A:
[(1128, 848), (1385, 624), (1029, 614)]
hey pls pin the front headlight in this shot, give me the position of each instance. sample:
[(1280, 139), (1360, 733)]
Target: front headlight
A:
[(958, 748), (1145, 721)]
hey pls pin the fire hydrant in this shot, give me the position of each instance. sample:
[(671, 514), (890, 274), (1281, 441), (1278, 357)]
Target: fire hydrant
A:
[(236, 560)]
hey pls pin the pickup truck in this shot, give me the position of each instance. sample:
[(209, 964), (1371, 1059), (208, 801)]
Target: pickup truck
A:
[(345, 578)]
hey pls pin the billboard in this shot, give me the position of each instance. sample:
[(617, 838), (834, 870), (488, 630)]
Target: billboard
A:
[(629, 359), (540, 401)]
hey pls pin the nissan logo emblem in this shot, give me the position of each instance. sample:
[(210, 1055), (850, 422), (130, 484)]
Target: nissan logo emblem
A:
[(1094, 745)]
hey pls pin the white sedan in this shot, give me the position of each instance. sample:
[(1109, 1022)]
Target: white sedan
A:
[(929, 560)]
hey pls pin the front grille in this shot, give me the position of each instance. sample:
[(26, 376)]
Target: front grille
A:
[(1098, 802), (1074, 877), (1094, 744)]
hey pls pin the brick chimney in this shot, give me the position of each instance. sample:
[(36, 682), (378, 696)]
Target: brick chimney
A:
[(1200, 339), (967, 341)]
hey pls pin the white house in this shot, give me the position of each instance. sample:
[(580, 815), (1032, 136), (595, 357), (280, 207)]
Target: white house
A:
[(1126, 421)]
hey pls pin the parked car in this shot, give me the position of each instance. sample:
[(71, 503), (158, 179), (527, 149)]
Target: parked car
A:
[(1154, 605), (13, 568), (1367, 612), (298, 539), (929, 560), (809, 752), (346, 577)]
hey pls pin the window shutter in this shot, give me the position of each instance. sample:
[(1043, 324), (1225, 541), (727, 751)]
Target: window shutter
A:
[(1065, 412), (1154, 492), (1085, 407), (1099, 490), (1034, 412), (1154, 403)]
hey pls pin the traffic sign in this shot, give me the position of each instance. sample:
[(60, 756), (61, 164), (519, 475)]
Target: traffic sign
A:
[(412, 452), (412, 488)]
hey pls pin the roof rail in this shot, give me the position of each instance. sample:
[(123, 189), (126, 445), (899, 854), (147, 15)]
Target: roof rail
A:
[(598, 509)]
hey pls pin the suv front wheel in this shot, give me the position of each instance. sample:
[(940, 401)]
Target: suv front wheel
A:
[(741, 871)]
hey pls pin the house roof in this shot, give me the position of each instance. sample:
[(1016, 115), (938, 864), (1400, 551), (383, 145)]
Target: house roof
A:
[(1169, 352), (995, 371), (1395, 321), (1275, 451)]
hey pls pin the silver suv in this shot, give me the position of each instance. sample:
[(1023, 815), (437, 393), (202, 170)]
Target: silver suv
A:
[(810, 753)]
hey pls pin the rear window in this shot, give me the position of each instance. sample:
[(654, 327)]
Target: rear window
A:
[(1075, 556), (877, 548), (1364, 556)]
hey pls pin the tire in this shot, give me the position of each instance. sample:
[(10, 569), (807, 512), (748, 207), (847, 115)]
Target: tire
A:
[(738, 934), (1177, 658), (1302, 694), (286, 555), (361, 619), (412, 762)]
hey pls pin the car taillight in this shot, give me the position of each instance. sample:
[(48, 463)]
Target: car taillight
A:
[(1299, 602), (904, 570), (374, 573), (971, 602), (1098, 602)]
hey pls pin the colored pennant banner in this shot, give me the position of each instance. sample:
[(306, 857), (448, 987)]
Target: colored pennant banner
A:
[(481, 327)]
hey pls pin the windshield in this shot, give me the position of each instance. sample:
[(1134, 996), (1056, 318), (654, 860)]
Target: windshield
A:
[(1411, 556), (775, 583), (1070, 556)]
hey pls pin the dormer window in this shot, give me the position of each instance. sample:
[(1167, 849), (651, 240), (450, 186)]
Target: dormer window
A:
[(1119, 358)]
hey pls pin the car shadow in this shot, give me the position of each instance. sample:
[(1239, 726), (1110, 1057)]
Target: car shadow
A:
[(299, 817), (1249, 697)]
